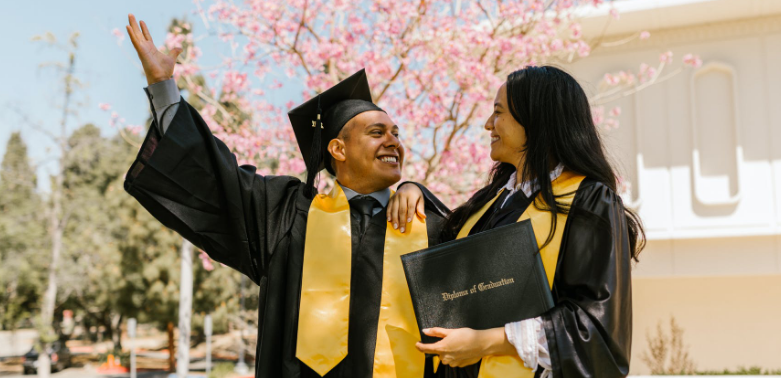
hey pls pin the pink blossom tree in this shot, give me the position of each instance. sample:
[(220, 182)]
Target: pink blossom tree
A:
[(434, 65)]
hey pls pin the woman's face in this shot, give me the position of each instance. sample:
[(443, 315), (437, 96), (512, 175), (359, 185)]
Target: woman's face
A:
[(508, 137)]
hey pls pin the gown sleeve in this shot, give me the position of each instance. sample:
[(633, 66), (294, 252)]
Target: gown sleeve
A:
[(191, 182), (589, 331)]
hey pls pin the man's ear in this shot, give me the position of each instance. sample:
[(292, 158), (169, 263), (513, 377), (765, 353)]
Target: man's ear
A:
[(336, 149)]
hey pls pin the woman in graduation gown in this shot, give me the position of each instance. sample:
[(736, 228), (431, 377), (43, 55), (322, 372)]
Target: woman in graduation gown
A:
[(550, 167)]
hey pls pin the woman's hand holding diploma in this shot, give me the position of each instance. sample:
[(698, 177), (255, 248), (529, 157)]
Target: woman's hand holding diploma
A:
[(465, 346)]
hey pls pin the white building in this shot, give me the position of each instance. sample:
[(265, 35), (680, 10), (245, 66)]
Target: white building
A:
[(703, 153)]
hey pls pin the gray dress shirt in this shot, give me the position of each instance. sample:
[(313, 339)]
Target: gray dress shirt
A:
[(164, 97)]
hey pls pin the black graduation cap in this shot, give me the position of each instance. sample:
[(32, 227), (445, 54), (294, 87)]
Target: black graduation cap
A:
[(322, 117)]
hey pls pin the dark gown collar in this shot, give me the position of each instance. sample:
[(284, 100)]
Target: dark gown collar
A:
[(500, 216)]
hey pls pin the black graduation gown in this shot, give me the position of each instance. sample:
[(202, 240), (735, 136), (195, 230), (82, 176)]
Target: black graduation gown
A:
[(589, 331), (191, 182)]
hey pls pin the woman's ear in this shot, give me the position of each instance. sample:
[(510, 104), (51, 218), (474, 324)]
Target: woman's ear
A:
[(336, 149)]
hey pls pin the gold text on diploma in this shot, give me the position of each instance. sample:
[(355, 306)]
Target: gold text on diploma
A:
[(482, 286)]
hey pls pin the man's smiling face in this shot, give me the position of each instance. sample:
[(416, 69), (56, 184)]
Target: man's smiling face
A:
[(370, 155)]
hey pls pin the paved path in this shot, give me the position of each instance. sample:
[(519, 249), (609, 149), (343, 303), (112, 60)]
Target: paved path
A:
[(83, 372)]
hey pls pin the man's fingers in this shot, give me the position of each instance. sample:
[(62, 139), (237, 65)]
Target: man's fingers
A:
[(132, 37), (174, 53), (134, 27), (146, 31)]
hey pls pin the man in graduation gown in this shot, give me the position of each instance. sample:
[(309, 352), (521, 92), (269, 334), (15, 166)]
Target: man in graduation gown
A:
[(332, 298)]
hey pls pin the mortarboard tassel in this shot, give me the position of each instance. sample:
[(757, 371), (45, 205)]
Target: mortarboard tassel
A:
[(316, 154)]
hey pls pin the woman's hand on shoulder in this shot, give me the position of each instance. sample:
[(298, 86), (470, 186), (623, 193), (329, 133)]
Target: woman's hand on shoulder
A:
[(404, 204)]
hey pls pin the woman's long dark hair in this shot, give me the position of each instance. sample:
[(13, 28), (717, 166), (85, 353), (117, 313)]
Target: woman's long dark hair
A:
[(554, 111)]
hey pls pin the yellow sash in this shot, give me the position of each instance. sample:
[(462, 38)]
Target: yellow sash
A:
[(325, 293), (565, 186)]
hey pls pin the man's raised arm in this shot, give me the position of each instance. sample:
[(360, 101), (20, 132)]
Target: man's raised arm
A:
[(191, 181)]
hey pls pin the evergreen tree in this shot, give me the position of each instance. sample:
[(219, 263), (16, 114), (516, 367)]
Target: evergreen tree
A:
[(119, 261), (22, 252)]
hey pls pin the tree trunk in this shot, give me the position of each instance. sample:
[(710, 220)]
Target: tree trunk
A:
[(185, 309), (56, 228), (49, 298), (171, 348), (116, 331)]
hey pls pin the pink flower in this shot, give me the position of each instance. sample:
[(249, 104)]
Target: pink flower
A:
[(577, 30), (666, 57), (134, 129), (235, 82), (104, 106), (598, 113), (646, 72), (611, 79), (645, 34), (556, 45), (118, 35), (614, 13), (692, 60), (583, 49), (173, 40), (206, 261), (616, 111), (610, 124)]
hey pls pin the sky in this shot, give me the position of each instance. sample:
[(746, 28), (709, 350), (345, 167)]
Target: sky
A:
[(30, 94)]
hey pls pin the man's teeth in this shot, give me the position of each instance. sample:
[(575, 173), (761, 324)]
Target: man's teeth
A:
[(389, 159), (494, 139)]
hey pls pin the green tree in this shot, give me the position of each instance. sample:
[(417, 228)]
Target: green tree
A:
[(22, 251), (119, 261), (91, 273)]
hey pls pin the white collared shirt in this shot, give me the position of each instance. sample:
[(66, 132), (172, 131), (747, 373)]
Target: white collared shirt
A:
[(528, 336), (527, 187)]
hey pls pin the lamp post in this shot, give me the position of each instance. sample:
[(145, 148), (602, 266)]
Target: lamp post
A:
[(185, 310), (131, 331), (207, 329), (241, 367)]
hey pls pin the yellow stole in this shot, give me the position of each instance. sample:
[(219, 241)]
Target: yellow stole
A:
[(564, 188), (325, 293)]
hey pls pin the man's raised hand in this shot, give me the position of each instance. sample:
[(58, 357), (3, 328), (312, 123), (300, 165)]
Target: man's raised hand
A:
[(157, 65)]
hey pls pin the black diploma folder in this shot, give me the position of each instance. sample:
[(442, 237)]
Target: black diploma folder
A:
[(482, 281)]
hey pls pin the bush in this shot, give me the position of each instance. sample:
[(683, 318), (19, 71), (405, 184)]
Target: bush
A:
[(754, 370), (222, 370), (667, 355)]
